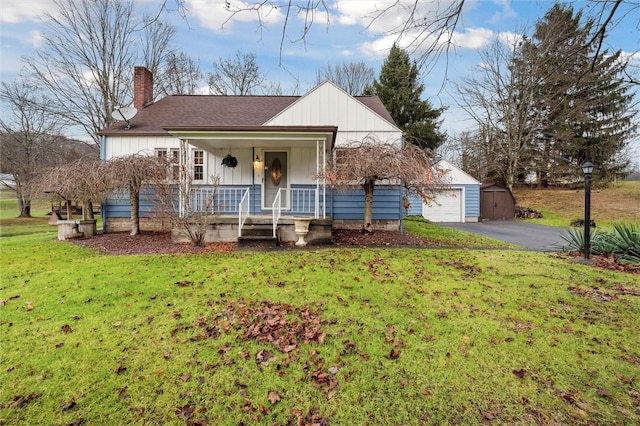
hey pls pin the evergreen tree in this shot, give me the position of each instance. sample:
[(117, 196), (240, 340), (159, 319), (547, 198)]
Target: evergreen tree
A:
[(582, 98), (399, 90)]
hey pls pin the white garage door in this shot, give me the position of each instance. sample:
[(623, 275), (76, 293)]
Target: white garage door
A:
[(448, 207)]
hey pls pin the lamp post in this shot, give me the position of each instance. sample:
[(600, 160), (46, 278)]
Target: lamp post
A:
[(587, 168)]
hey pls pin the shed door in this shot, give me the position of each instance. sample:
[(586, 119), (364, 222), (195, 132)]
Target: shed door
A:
[(448, 207), (497, 204), (275, 177)]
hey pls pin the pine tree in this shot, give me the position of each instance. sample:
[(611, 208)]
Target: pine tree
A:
[(582, 99), (400, 91)]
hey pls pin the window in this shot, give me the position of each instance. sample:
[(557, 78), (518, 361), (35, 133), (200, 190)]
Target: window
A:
[(198, 165), (174, 163)]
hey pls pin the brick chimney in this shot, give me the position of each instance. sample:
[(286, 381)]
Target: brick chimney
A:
[(142, 87)]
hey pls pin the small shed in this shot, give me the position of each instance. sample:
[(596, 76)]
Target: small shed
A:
[(496, 202), (459, 202)]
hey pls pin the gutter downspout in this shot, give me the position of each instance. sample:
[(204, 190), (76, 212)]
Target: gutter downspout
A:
[(401, 192)]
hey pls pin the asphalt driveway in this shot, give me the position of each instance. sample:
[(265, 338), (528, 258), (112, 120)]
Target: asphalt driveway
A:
[(528, 235)]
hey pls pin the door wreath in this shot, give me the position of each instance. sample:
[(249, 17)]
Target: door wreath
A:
[(276, 171)]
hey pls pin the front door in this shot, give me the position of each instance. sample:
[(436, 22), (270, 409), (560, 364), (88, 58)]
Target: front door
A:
[(275, 177)]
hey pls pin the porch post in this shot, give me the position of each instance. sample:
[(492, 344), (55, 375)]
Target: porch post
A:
[(183, 179), (324, 178), (317, 197)]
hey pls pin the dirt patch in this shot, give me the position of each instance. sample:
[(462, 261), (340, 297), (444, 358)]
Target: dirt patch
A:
[(121, 243)]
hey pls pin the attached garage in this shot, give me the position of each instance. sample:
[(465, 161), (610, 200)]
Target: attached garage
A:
[(459, 202), (447, 207)]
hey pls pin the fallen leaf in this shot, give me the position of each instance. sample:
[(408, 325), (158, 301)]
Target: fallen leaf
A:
[(185, 377), (29, 306), (603, 393), (76, 422), (394, 354), (122, 392), (20, 401), (520, 373), (273, 397), (66, 328), (489, 415), (117, 323), (68, 406), (185, 412), (289, 348), (120, 369)]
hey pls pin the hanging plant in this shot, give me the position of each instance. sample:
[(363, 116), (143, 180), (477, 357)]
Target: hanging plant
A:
[(230, 161)]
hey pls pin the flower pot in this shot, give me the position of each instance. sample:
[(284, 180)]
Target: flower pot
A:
[(301, 225)]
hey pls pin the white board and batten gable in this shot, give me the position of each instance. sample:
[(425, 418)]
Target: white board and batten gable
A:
[(459, 202), (455, 176), (327, 104)]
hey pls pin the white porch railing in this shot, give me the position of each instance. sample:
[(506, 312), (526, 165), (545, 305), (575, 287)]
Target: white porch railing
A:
[(218, 200), (221, 200), (277, 211), (243, 211), (300, 201)]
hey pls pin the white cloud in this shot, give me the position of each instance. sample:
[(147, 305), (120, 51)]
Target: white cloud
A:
[(214, 14), (35, 38), (472, 38), (15, 11)]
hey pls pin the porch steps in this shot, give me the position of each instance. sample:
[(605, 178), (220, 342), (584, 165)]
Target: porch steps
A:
[(257, 235)]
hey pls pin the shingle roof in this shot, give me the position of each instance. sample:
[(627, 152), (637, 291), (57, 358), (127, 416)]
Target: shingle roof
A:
[(212, 110)]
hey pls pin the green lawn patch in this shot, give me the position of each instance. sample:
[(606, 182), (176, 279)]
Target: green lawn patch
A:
[(341, 336)]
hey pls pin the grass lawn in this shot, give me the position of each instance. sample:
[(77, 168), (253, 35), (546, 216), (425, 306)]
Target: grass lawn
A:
[(333, 336), (615, 203)]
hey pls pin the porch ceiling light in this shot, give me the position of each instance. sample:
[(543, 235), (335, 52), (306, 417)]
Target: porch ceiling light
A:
[(257, 163)]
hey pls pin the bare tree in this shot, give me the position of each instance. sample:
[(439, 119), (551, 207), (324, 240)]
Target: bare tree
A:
[(180, 75), (239, 75), (156, 40), (352, 77), (29, 140), (499, 97), (131, 173), (189, 208), (370, 162), (89, 52), (83, 180)]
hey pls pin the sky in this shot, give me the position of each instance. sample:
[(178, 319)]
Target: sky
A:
[(207, 33)]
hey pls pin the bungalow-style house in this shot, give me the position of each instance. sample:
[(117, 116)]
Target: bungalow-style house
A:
[(280, 144)]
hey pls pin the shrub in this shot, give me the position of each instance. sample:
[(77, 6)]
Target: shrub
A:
[(623, 243)]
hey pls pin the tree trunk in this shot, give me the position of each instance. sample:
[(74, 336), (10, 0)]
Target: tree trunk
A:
[(368, 186), (24, 203), (134, 199), (25, 207)]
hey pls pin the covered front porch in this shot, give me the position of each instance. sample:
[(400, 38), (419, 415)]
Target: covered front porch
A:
[(279, 175)]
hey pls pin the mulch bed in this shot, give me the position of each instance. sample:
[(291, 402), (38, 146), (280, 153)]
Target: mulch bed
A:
[(121, 243)]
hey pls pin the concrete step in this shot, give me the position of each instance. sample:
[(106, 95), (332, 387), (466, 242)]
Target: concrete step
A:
[(257, 241), (257, 230), (257, 235)]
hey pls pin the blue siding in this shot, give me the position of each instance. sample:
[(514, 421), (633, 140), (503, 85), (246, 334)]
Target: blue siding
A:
[(349, 204), (341, 204), (471, 200), (416, 205)]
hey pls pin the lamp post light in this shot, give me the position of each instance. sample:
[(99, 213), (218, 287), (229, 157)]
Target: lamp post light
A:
[(587, 168)]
